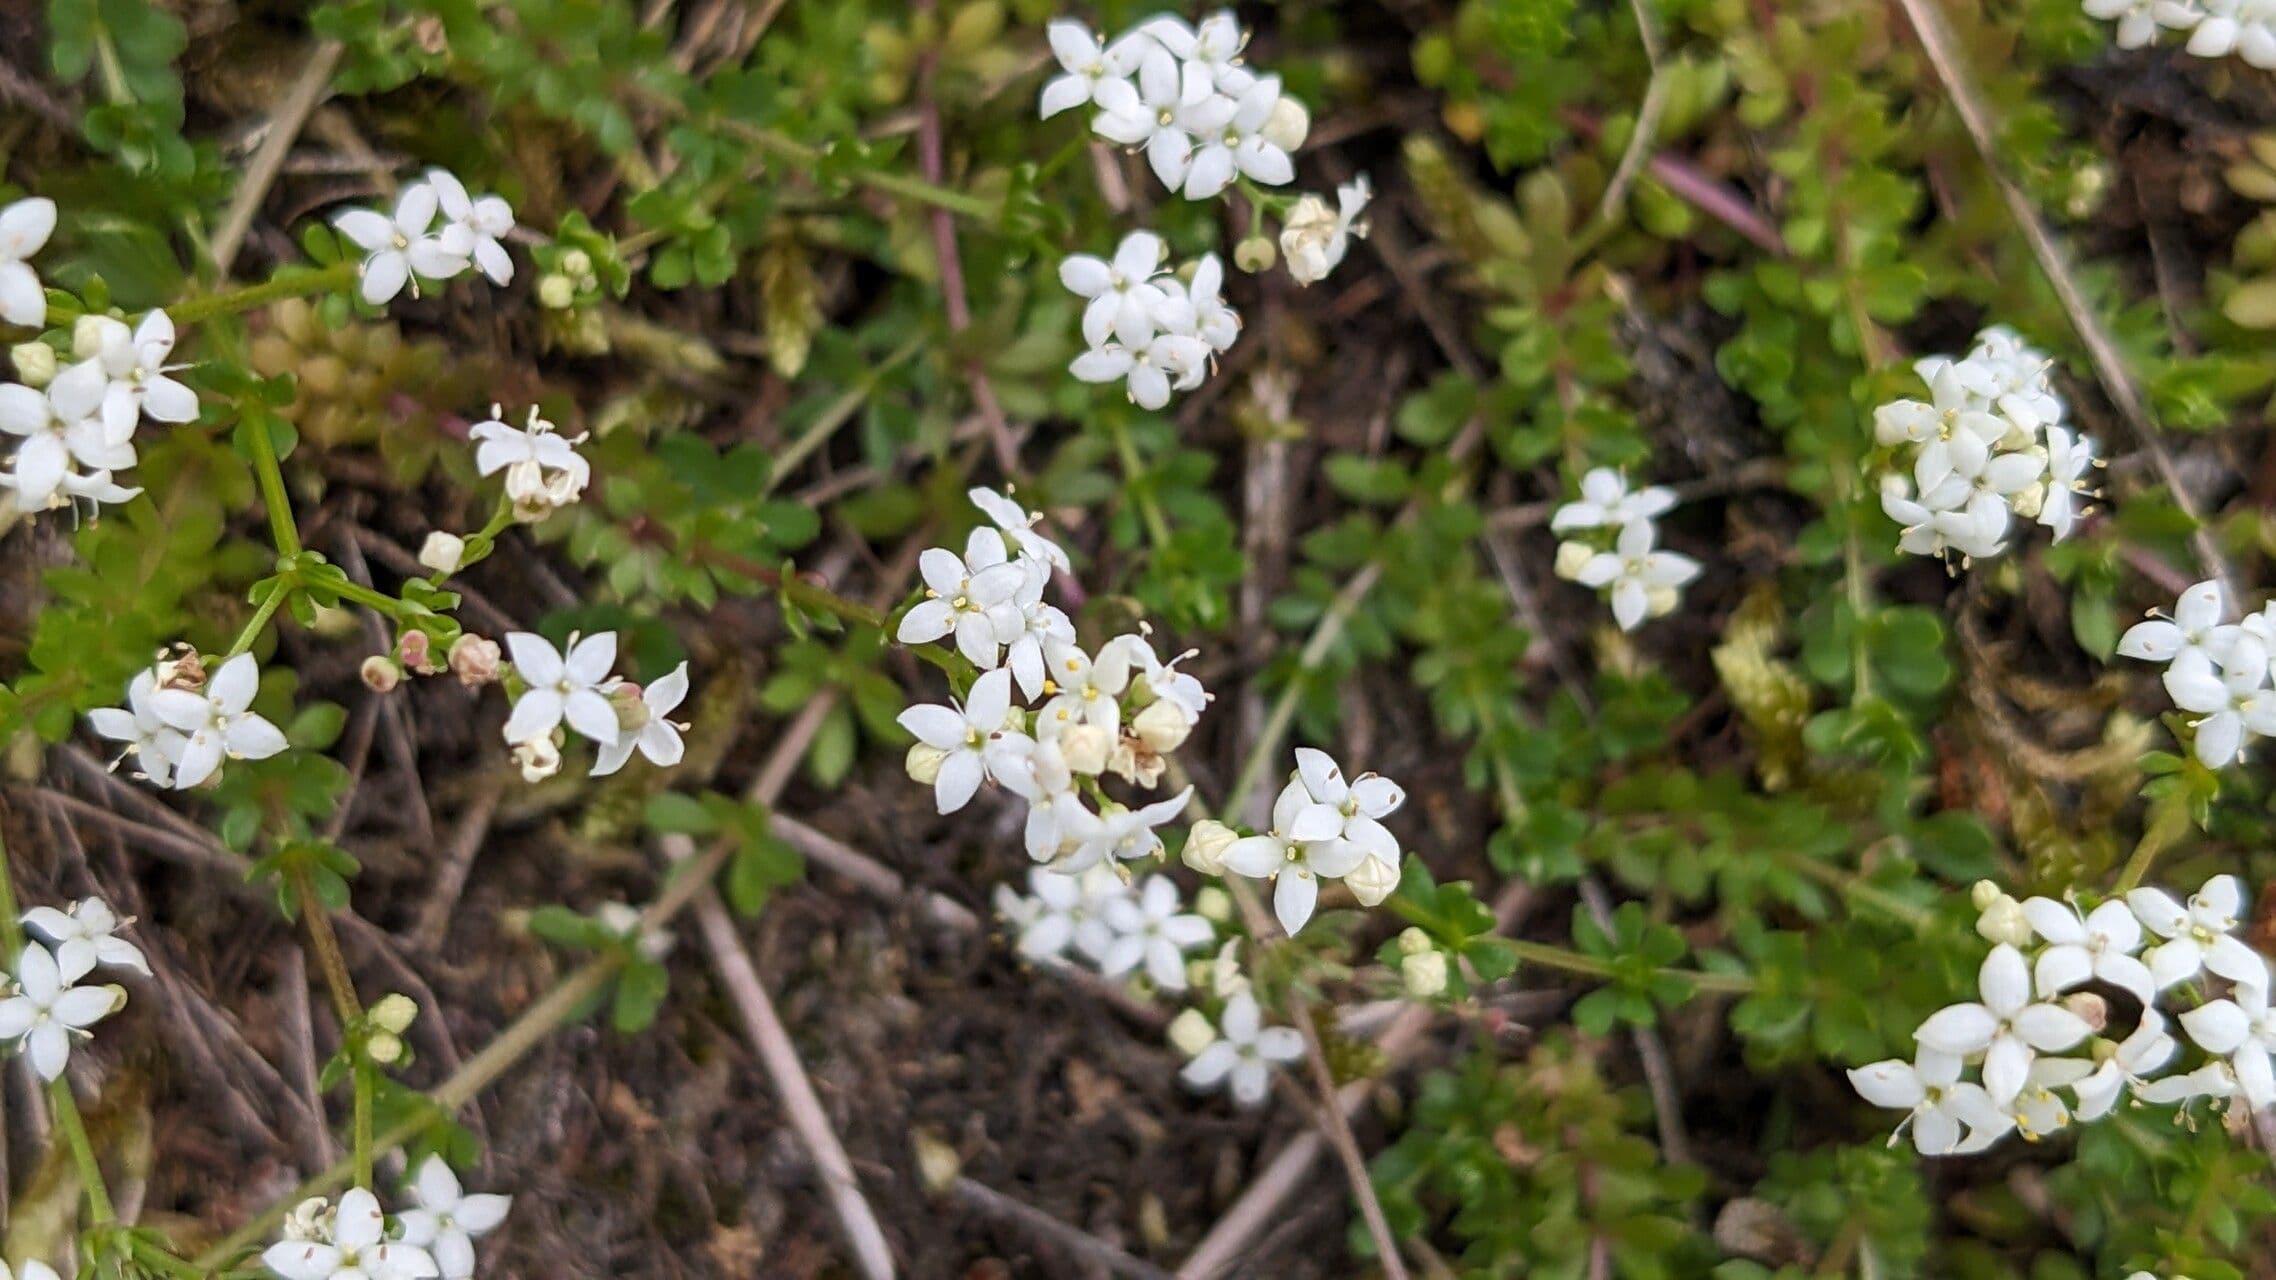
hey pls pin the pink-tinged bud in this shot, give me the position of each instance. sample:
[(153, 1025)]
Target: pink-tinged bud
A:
[(416, 651), (381, 674), (474, 660)]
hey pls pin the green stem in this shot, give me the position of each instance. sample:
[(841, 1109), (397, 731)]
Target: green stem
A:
[(1149, 512), (282, 587), (370, 597), (893, 184), (74, 1130), (283, 530), (1570, 961), (326, 944), (288, 282)]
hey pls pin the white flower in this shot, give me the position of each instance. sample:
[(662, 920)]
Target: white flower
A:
[(1162, 680), (85, 936), (476, 225), (1123, 300), (2195, 626), (1977, 528), (543, 469), (963, 733), (1632, 572), (2216, 1079), (2242, 27), (2243, 1030), (1169, 361), (2006, 1027), (1211, 319), (1085, 691), (2141, 1053), (1341, 812), (61, 432), (1019, 524), (1036, 770), (1042, 627), (971, 596), (1948, 1116), (1244, 1054), (1606, 502), (1294, 868), (448, 1221), (2137, 25), (2069, 459), (47, 1011), (356, 1248), (1095, 73), (1215, 47), (155, 744), (24, 228), (217, 722), (563, 688), (2100, 945), (1119, 833), (2197, 938), (126, 375), (1151, 930), (1064, 910), (2233, 704), (399, 248), (1315, 238), (1238, 145), (655, 734), (1173, 103)]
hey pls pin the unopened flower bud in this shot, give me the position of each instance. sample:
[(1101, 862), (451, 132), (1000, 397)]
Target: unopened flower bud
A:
[(311, 1219), (1372, 881), (1288, 124), (474, 660), (1206, 844), (1660, 600), (1255, 254), (1163, 725), (394, 1012), (443, 552), (556, 292), (1571, 557), (1983, 893), (1213, 903), (539, 759), (384, 1048), (1413, 942), (1191, 1032), (576, 262), (924, 762), (1085, 748), (2004, 921), (1423, 975), (381, 673), (2091, 1009), (415, 650), (2031, 501), (87, 334), (35, 363)]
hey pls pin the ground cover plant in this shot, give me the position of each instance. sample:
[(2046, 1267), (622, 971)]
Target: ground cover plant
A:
[(1442, 638)]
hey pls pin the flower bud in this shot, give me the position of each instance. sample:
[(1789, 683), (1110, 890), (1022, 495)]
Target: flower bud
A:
[(384, 1048), (2004, 921), (394, 1012), (87, 334), (576, 262), (2031, 501), (443, 552), (1288, 124), (381, 674), (35, 363), (1571, 557), (1413, 942), (1372, 881), (1213, 904), (1255, 254), (415, 650), (1191, 1032), (1206, 844), (1983, 893), (556, 292), (1423, 975), (311, 1219), (1305, 237), (1085, 747), (1225, 977), (474, 660), (1660, 600), (539, 759), (923, 763), (2091, 1009), (1163, 725)]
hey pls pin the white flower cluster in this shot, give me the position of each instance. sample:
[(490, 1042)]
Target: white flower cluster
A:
[(351, 1240), (179, 724), (43, 1009), (543, 470), (1988, 445), (1323, 828), (437, 231), (1112, 925), (1154, 331), (2217, 670), (576, 690), (79, 431), (2217, 28), (1617, 556), (2030, 1005)]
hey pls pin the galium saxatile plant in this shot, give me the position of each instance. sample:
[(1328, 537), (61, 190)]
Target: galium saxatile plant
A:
[(2216, 671), (1610, 544)]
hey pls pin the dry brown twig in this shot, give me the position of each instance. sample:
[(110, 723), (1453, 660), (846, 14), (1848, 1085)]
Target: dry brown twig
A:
[(283, 129)]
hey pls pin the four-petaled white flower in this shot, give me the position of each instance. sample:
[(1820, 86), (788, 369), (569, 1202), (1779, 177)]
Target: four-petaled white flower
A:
[(61, 432), (1315, 238), (2242, 1029), (1095, 72), (1063, 910), (2231, 702), (1167, 362), (543, 470), (1295, 868), (85, 936), (2069, 460), (218, 722), (654, 733), (2006, 1026), (1244, 1054), (963, 734), (1948, 1116), (1238, 146), (1123, 301), (1343, 812), (154, 744), (2100, 945), (127, 375), (2197, 937), (401, 247), (574, 688), (479, 225), (1606, 502), (2195, 627), (972, 596), (448, 1221), (46, 1010), (1172, 103), (24, 228), (1018, 524), (355, 1248), (1633, 573), (1119, 833), (1153, 931)]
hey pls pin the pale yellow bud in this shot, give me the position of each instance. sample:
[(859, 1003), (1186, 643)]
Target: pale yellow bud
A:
[(394, 1012), (1205, 847), (442, 552), (1423, 975), (1085, 748), (1372, 881), (1255, 254), (556, 292), (384, 1048), (2004, 921), (1413, 942), (2028, 503), (1661, 600), (87, 336), (1191, 1032), (381, 674), (1571, 556), (1983, 893), (1305, 239), (35, 363), (1163, 726), (924, 763), (1288, 125), (1213, 903), (576, 262)]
